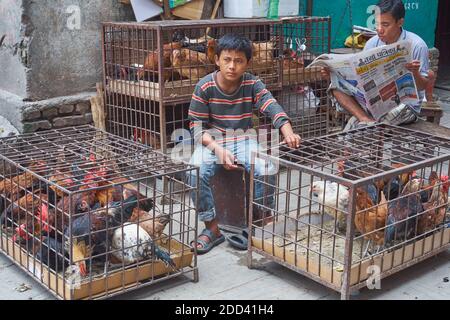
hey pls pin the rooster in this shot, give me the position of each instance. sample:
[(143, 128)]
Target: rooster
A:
[(435, 207), (402, 213), (335, 204), (92, 231), (191, 64), (131, 243), (371, 215)]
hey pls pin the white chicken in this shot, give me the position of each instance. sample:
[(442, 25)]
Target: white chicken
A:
[(326, 193), (137, 246)]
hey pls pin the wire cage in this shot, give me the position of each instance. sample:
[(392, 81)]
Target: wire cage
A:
[(150, 69), (81, 213), (349, 209)]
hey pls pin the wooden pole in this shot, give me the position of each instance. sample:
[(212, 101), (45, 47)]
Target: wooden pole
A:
[(213, 14)]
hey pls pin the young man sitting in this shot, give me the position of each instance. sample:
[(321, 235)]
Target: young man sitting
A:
[(389, 21), (223, 103)]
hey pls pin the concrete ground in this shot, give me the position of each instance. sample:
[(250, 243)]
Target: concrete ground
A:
[(224, 275)]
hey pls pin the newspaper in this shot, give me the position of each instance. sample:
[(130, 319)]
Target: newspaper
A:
[(376, 78)]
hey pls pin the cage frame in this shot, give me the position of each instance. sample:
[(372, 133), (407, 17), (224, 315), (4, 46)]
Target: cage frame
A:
[(108, 148), (346, 288), (159, 28)]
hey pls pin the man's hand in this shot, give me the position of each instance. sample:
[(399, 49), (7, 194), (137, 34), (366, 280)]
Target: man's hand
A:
[(290, 138), (413, 66), (226, 158), (325, 73)]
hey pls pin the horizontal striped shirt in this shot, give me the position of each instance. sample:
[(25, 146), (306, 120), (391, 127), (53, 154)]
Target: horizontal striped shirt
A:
[(211, 108)]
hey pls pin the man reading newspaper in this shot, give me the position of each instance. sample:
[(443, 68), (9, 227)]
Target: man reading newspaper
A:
[(391, 73)]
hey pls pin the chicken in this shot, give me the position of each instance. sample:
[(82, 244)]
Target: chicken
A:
[(62, 179), (332, 199), (191, 64), (291, 60), (427, 190), (371, 214), (146, 137), (435, 208), (154, 226), (51, 253), (12, 188), (393, 187), (351, 169), (402, 213), (203, 44), (151, 62), (262, 59), (17, 211), (131, 243), (211, 50), (92, 231)]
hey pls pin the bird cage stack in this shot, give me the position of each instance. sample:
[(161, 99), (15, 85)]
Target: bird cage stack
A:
[(151, 69), (351, 208), (80, 212)]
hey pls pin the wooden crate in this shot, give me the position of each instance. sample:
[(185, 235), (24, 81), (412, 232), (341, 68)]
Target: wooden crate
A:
[(301, 76), (100, 286)]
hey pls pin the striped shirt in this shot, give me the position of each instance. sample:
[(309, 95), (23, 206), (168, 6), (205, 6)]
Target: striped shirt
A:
[(211, 108)]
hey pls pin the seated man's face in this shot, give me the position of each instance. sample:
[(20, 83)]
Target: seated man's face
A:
[(388, 28), (232, 64)]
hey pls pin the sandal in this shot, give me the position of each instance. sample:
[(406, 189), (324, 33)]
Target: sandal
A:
[(207, 246), (239, 241)]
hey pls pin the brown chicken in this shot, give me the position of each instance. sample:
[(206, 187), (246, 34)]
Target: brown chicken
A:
[(12, 188), (211, 50), (262, 60), (151, 62), (291, 60), (30, 203), (154, 226), (371, 216), (191, 64), (436, 207)]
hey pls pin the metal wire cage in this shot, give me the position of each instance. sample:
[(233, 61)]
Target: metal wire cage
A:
[(151, 69), (349, 209), (82, 212)]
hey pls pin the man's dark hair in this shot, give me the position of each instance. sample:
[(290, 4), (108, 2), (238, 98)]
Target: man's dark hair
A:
[(234, 42), (395, 7)]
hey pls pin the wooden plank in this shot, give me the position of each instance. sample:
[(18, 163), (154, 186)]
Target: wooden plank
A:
[(430, 128), (359, 273), (300, 76), (192, 10), (150, 90)]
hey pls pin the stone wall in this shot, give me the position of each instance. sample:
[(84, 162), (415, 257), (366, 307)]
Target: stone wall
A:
[(51, 53), (57, 113)]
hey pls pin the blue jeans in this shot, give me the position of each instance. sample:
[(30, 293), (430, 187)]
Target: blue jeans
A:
[(207, 161)]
